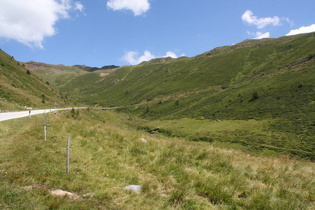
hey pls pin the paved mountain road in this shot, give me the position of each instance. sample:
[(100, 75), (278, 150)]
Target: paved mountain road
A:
[(14, 115)]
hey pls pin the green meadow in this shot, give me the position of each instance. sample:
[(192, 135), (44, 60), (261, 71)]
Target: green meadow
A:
[(109, 153)]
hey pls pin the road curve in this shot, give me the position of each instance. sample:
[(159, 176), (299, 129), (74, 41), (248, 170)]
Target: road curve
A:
[(15, 115)]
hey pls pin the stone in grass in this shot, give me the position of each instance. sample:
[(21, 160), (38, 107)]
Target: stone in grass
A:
[(62, 193), (134, 188), (143, 140)]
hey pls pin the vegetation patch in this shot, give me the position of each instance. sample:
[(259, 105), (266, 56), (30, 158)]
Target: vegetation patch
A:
[(108, 155)]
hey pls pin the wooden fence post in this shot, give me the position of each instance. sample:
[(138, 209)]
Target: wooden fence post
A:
[(68, 157)]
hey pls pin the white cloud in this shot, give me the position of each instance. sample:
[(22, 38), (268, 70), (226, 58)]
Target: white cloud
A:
[(31, 21), (248, 17), (260, 35), (78, 6), (138, 7), (261, 23), (133, 57), (130, 57), (301, 30), (170, 54)]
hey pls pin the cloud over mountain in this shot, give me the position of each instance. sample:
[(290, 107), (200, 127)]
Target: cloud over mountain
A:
[(261, 23), (133, 57), (248, 17), (31, 21), (301, 30), (259, 35)]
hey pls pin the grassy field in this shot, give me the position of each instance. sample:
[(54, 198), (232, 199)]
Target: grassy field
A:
[(109, 153), (258, 136)]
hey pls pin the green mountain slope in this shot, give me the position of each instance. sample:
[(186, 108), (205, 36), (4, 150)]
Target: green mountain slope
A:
[(56, 75), (271, 81), (19, 87), (60, 75), (211, 74)]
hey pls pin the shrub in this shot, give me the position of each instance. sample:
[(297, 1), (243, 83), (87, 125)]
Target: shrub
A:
[(75, 114), (255, 96), (43, 99)]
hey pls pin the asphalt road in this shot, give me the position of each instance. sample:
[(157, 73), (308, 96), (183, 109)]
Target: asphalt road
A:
[(13, 115)]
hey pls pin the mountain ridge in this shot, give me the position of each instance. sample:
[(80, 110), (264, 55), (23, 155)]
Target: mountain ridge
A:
[(248, 63)]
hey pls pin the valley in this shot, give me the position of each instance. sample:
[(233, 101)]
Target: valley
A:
[(231, 128)]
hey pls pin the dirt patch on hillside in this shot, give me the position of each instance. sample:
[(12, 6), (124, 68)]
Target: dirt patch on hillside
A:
[(103, 74)]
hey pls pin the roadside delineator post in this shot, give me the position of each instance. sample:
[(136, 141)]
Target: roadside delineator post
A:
[(68, 157), (46, 125), (45, 130)]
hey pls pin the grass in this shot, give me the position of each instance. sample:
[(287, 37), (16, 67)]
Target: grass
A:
[(258, 136), (108, 154)]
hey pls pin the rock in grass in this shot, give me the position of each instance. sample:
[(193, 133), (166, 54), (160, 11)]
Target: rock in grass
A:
[(134, 188), (63, 193), (143, 140)]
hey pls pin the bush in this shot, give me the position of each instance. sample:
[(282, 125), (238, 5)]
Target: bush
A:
[(255, 96), (43, 99), (75, 114)]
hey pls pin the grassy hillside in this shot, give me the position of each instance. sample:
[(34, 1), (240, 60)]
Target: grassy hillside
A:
[(108, 154), (19, 87), (60, 75), (270, 81), (56, 75), (206, 74)]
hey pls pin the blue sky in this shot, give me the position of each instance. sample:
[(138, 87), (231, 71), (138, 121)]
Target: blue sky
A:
[(124, 32)]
